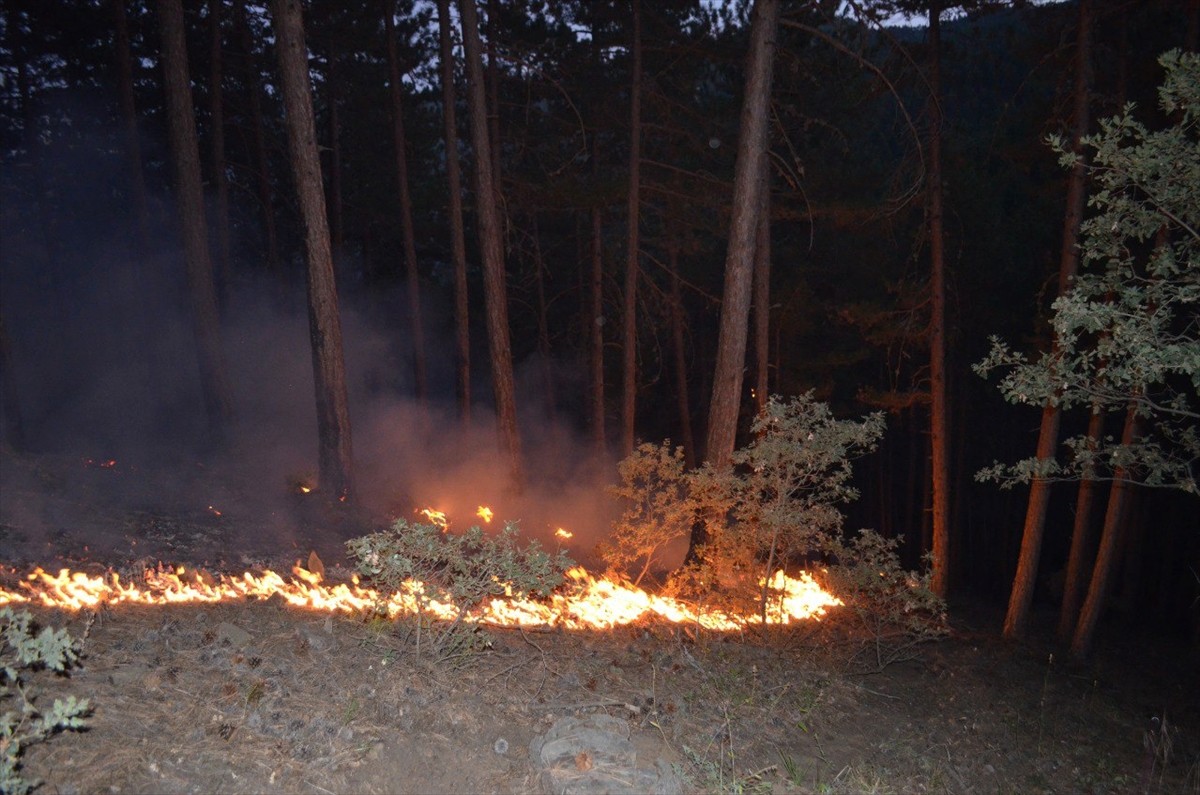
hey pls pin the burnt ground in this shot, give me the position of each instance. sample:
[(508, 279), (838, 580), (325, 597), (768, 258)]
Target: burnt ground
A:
[(260, 697)]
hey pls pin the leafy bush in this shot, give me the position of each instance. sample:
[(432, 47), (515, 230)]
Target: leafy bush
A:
[(457, 570), (654, 485), (777, 505), (22, 651), (895, 607)]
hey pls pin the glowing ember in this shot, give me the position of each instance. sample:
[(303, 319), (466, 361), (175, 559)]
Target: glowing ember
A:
[(106, 464), (438, 518), (214, 511), (484, 513), (563, 533), (305, 489), (584, 603)]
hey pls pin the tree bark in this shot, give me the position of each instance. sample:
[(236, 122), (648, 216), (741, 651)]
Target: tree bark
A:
[(400, 142), (266, 193), (216, 112), (1106, 555), (939, 408), (337, 224), (189, 196), (490, 243), (462, 333), (1082, 537), (629, 370), (12, 432), (686, 438), (334, 455), (133, 138), (1021, 597), (762, 293), (748, 184), (596, 332)]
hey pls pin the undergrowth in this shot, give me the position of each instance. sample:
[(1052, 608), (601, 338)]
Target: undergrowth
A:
[(25, 651)]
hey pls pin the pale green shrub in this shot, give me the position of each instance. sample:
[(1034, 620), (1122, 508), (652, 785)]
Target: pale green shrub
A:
[(456, 569), (24, 651)]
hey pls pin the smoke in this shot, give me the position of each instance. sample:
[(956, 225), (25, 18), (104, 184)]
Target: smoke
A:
[(104, 364)]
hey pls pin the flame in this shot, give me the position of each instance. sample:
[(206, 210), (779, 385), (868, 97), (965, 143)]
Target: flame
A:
[(484, 513), (563, 533), (214, 511), (305, 489), (585, 602), (438, 518)]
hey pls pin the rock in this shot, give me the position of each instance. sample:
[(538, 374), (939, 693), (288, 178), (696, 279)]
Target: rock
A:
[(233, 635), (594, 754)]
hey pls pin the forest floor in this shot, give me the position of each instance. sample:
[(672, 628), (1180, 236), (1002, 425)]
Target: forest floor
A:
[(261, 697)]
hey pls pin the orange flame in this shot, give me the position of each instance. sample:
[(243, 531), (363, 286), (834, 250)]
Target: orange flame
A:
[(585, 602), (438, 518), (563, 533), (484, 513)]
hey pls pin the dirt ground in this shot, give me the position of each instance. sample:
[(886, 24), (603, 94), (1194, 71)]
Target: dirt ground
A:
[(261, 697)]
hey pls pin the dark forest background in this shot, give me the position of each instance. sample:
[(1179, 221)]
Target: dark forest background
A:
[(99, 357)]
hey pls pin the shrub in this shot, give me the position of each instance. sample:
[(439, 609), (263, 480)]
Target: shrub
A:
[(457, 570), (24, 650)]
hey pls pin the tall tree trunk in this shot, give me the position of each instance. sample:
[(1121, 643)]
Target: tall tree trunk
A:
[(629, 372), (133, 139), (334, 454), (495, 291), (493, 101), (462, 334), (216, 111), (189, 196), (939, 409), (679, 351), (266, 193), (400, 142), (12, 432), (1021, 597), (543, 322), (1082, 537), (1106, 555), (762, 293), (337, 225), (596, 333), (739, 261)]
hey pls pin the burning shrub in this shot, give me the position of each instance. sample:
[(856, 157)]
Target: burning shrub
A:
[(443, 569), (656, 488), (775, 506), (22, 649)]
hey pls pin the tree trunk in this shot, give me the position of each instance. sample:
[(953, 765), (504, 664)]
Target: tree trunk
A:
[(493, 103), (334, 457), (462, 335), (629, 371), (1106, 555), (1082, 538), (939, 409), (680, 356), (543, 322), (337, 225), (216, 110), (133, 139), (490, 243), (400, 142), (762, 293), (748, 184), (596, 333), (1039, 492), (266, 193), (189, 196), (12, 432)]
